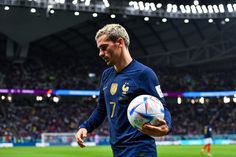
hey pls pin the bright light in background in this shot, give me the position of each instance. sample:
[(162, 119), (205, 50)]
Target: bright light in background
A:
[(3, 97), (106, 3), (33, 10), (9, 98), (193, 9), (141, 5), (75, 2), (201, 100), (226, 100), (6, 8), (146, 18), (215, 8), (55, 99), (60, 1), (52, 11), (221, 8), (159, 5), (210, 20), (196, 2), (87, 3), (182, 9), (226, 19), (234, 100), (113, 16), (95, 15), (164, 20), (210, 8), (76, 13), (179, 100), (199, 9), (204, 9), (39, 98), (186, 20), (230, 8)]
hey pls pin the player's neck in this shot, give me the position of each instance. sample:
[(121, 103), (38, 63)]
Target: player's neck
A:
[(125, 60)]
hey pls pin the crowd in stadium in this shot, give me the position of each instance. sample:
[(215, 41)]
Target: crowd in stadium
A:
[(75, 76), (26, 120), (22, 120)]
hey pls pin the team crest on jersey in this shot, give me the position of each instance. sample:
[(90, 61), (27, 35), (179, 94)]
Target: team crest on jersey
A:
[(113, 88), (125, 88)]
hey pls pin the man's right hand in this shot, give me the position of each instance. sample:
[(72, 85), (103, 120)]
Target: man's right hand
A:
[(80, 135)]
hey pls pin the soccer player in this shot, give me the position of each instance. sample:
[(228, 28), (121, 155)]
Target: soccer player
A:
[(120, 83), (208, 140)]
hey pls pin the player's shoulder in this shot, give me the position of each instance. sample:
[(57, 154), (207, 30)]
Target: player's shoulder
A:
[(144, 69), (107, 72)]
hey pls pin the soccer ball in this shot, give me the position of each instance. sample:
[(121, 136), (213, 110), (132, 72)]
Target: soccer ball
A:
[(145, 109)]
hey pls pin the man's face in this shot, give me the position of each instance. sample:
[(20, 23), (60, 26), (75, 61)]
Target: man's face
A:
[(109, 51)]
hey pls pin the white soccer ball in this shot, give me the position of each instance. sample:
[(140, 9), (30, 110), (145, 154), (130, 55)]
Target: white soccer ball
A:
[(145, 109)]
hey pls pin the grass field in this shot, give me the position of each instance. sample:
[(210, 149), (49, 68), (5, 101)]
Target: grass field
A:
[(105, 151)]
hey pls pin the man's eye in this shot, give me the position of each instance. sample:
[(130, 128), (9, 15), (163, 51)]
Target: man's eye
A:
[(103, 48)]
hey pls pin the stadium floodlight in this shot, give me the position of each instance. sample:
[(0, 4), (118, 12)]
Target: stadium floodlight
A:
[(188, 9), (215, 9), (33, 10), (147, 6), (39, 98), (179, 100), (186, 20), (9, 98), (113, 16), (204, 9), (193, 9), (87, 2), (76, 13), (52, 11), (210, 9), (226, 19), (169, 8), (210, 20), (201, 100), (192, 101), (55, 99), (182, 9), (199, 9), (226, 100), (95, 15), (60, 1), (234, 100), (230, 8), (6, 8), (159, 5), (141, 5), (196, 2), (153, 7), (221, 8), (106, 3), (174, 8), (234, 6), (75, 2), (164, 20), (3, 97), (146, 18)]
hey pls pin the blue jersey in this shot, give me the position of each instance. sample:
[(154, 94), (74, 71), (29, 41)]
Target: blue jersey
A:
[(208, 131), (117, 89)]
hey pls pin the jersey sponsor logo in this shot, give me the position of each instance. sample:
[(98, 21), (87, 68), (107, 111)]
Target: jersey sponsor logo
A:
[(113, 88), (159, 92), (125, 88)]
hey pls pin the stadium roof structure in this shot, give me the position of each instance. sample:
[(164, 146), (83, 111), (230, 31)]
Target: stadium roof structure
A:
[(166, 35)]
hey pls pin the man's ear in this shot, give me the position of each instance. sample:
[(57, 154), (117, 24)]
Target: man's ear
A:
[(120, 41)]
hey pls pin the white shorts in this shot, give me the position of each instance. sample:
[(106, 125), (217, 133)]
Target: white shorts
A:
[(208, 140)]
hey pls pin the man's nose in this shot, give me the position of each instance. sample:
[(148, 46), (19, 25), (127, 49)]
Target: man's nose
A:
[(101, 53)]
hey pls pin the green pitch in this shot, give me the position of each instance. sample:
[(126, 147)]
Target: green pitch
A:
[(105, 151)]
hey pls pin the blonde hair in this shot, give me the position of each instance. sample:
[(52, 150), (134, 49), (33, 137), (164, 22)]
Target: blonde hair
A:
[(114, 31)]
